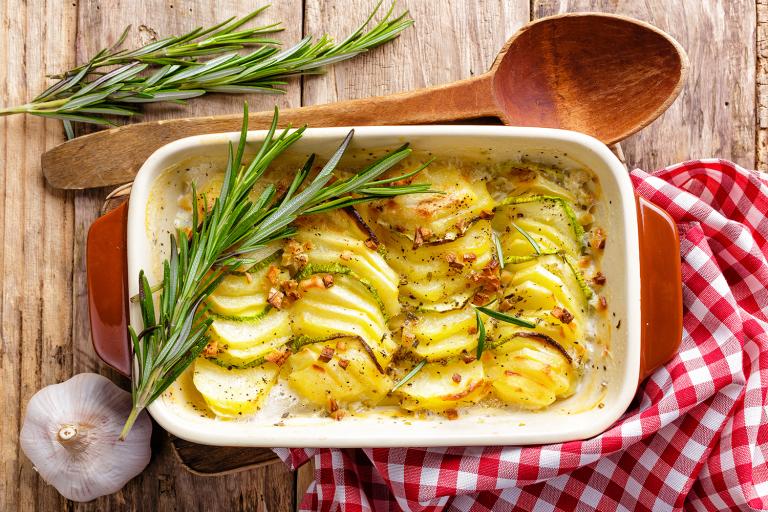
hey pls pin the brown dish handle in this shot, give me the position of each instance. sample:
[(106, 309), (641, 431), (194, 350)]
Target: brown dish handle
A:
[(107, 271), (661, 288)]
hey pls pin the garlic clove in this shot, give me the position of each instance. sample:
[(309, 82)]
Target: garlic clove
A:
[(71, 431)]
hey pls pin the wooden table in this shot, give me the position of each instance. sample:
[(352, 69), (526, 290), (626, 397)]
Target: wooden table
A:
[(44, 334)]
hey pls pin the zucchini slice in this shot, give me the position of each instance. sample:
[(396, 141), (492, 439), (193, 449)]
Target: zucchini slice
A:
[(232, 392)]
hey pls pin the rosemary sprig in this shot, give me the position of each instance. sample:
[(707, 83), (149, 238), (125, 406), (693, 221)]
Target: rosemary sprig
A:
[(174, 69), (200, 42), (175, 329)]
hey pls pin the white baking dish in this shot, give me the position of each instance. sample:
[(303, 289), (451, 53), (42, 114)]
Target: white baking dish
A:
[(628, 361)]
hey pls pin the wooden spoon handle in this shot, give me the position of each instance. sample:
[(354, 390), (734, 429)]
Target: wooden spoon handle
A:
[(112, 157), (465, 99)]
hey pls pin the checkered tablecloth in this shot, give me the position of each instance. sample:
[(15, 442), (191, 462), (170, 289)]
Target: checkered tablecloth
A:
[(696, 437)]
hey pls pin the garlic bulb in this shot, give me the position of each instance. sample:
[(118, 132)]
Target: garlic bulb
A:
[(70, 434)]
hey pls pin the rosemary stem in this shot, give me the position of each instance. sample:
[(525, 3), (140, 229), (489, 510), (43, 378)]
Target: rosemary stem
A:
[(45, 104), (33, 107), (14, 110), (139, 404), (135, 410)]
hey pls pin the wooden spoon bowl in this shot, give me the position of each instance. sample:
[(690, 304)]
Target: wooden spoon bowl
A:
[(604, 75), (607, 76)]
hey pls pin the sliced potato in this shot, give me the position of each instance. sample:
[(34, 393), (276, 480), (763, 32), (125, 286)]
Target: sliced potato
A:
[(350, 374), (550, 221), (463, 199), (238, 285), (532, 296), (238, 305), (240, 295), (541, 291), (242, 357), (245, 334), (427, 261), (335, 239), (550, 210), (442, 335), (554, 272), (429, 281), (348, 308), (528, 372), (531, 178), (567, 336), (232, 392), (547, 238), (435, 387)]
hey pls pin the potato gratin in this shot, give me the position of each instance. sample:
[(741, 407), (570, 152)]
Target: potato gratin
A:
[(343, 312)]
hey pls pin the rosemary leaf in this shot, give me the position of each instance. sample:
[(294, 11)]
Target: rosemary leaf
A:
[(527, 237), (410, 375), (499, 251), (480, 334)]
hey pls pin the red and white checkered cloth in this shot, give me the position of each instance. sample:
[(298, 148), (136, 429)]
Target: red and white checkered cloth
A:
[(696, 436)]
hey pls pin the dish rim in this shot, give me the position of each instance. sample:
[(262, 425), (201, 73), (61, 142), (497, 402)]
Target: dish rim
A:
[(336, 434)]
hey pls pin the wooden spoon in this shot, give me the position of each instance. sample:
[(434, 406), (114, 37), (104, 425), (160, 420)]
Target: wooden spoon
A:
[(601, 74)]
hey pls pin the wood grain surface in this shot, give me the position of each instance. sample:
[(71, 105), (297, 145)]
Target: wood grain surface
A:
[(761, 116), (44, 335), (604, 75), (715, 113)]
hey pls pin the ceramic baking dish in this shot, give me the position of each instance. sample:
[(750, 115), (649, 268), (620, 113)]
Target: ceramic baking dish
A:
[(641, 263)]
